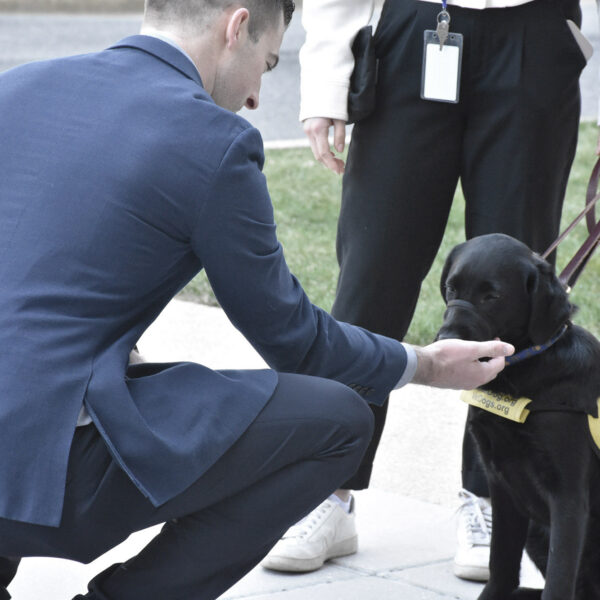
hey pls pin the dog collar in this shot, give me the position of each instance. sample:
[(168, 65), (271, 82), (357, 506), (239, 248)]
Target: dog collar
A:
[(534, 350), (523, 354)]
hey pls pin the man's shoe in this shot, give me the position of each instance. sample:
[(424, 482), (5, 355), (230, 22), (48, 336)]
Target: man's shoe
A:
[(327, 532), (474, 534)]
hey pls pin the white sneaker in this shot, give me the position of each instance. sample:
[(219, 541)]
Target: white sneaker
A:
[(327, 532), (474, 532)]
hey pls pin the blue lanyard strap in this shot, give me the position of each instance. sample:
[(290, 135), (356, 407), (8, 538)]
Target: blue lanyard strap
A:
[(444, 2)]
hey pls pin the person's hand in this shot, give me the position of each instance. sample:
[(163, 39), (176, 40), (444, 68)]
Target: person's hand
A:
[(317, 131), (455, 364)]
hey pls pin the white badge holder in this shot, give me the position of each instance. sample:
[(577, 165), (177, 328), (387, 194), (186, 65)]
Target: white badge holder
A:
[(440, 79)]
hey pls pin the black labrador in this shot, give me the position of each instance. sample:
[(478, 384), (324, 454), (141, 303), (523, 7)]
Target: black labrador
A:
[(544, 473)]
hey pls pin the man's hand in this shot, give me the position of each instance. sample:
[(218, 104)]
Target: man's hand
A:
[(317, 131), (455, 364)]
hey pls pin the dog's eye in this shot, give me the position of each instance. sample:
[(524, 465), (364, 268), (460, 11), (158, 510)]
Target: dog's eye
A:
[(490, 297), (450, 291)]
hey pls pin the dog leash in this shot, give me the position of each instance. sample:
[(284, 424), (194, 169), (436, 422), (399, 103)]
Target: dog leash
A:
[(571, 272)]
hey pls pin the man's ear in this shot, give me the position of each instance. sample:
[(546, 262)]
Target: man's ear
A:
[(237, 27), (549, 302)]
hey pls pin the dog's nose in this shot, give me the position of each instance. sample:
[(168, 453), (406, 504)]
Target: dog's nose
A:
[(463, 326)]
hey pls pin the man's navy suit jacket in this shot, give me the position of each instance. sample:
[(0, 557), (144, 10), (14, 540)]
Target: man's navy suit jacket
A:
[(120, 179)]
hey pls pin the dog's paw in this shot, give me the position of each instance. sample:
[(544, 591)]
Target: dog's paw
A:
[(490, 593)]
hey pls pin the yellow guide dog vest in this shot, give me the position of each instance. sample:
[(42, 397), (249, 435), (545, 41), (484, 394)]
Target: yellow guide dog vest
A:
[(515, 409)]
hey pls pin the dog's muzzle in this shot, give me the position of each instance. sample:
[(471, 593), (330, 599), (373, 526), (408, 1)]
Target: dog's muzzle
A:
[(462, 304)]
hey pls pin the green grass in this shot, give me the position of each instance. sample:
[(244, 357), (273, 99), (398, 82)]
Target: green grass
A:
[(306, 199)]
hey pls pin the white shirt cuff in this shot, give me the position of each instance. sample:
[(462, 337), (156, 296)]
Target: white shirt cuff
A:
[(411, 366)]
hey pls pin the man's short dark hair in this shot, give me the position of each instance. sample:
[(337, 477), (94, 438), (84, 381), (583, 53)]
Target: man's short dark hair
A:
[(263, 13)]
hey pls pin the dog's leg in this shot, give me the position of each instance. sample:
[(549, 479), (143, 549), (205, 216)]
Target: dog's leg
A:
[(568, 503), (509, 531), (537, 545), (588, 576), (568, 524)]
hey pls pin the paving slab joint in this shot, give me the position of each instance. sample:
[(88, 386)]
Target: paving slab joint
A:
[(390, 573)]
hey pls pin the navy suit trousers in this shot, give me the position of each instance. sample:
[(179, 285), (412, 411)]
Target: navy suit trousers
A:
[(307, 440)]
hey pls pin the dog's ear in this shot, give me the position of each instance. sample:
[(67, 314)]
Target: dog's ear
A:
[(550, 306), (446, 269)]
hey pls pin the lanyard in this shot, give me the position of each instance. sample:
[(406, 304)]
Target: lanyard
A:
[(444, 2)]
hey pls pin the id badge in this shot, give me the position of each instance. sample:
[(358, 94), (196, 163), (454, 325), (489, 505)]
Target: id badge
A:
[(440, 79)]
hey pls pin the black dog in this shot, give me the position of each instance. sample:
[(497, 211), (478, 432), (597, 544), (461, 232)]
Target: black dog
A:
[(544, 473)]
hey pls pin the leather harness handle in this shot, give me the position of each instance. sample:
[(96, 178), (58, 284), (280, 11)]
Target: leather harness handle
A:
[(571, 272), (591, 196)]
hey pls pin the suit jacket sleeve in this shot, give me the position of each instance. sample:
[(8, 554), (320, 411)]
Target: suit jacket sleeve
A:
[(234, 236)]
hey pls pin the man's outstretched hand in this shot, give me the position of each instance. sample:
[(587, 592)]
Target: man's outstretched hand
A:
[(455, 364)]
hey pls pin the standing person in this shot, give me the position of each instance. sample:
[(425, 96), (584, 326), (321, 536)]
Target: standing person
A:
[(510, 139), (122, 174)]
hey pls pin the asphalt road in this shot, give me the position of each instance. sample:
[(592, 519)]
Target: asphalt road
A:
[(27, 37)]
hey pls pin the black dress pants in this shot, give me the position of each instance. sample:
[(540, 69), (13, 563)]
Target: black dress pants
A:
[(307, 440), (510, 141)]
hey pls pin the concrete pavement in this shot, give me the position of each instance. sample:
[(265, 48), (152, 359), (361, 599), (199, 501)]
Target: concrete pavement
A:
[(406, 519), (405, 553), (26, 37)]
